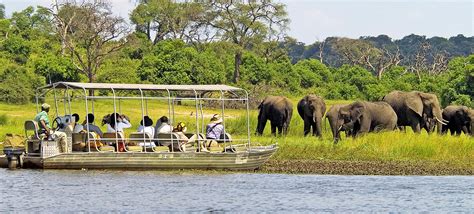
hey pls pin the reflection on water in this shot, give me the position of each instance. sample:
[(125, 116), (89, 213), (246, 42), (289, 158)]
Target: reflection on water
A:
[(129, 191)]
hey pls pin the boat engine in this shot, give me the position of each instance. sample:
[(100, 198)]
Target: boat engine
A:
[(14, 157)]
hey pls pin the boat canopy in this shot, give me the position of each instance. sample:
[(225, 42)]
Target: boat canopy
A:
[(115, 86)]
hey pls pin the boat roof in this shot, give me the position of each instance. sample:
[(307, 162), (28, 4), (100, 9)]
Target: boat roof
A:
[(119, 86)]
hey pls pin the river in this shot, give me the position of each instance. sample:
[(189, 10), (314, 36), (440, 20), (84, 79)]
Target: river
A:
[(197, 191)]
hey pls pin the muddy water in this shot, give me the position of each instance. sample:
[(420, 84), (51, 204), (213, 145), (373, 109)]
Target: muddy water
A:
[(117, 191)]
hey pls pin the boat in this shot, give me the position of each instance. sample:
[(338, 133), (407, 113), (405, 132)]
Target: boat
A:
[(147, 152)]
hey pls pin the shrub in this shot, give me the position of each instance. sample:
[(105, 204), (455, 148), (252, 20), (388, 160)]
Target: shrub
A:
[(18, 85), (3, 119)]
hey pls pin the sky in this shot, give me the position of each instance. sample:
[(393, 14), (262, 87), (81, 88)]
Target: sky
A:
[(314, 20)]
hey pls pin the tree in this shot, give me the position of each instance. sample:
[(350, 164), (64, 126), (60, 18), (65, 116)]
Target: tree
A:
[(364, 53), (2, 11), (245, 24), (90, 32), (168, 19)]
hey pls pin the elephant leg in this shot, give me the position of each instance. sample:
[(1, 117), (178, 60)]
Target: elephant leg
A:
[(281, 130), (402, 128), (452, 130), (273, 128), (444, 129), (465, 130), (416, 127), (307, 127)]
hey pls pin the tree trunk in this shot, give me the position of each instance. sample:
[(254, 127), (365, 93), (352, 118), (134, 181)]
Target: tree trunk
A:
[(237, 62), (90, 75)]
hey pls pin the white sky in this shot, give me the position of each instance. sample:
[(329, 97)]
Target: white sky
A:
[(313, 20)]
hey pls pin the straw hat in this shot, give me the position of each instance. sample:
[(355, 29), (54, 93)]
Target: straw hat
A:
[(45, 106), (216, 119)]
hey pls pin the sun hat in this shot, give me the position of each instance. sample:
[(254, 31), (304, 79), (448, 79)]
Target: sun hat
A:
[(45, 106), (216, 119), (180, 127), (148, 121)]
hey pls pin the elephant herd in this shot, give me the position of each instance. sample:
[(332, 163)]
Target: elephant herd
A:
[(397, 109)]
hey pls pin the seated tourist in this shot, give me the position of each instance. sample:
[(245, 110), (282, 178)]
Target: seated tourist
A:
[(147, 126), (214, 130), (76, 126), (163, 126), (117, 123), (180, 129), (42, 120), (90, 126)]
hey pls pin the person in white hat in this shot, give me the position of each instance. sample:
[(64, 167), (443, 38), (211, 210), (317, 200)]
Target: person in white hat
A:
[(45, 128), (215, 129)]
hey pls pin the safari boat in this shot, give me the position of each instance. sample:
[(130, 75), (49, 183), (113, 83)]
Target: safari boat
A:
[(147, 152)]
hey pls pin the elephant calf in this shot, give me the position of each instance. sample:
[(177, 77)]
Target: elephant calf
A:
[(278, 110), (362, 117), (460, 118), (335, 122), (311, 109)]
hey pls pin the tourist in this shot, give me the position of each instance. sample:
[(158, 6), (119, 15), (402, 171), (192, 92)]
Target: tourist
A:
[(76, 126), (147, 126), (117, 123), (42, 119), (180, 129), (163, 126), (90, 126), (215, 129)]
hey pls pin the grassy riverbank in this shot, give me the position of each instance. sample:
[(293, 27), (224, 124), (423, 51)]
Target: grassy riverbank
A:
[(396, 153)]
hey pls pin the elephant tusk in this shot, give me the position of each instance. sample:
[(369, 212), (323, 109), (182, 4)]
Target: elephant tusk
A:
[(440, 121), (340, 128)]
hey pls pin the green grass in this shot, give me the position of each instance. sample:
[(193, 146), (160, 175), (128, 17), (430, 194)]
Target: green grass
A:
[(397, 146)]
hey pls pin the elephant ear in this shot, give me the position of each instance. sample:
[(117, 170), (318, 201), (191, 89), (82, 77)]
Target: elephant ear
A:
[(357, 111), (460, 113), (414, 103)]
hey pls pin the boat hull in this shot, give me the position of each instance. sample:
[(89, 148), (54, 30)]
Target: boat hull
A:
[(248, 160)]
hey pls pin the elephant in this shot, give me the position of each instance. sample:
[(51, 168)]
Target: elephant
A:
[(311, 109), (416, 109), (363, 117), (461, 118), (278, 110), (335, 122)]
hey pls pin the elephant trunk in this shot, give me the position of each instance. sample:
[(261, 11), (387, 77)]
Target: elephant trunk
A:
[(336, 132), (319, 124)]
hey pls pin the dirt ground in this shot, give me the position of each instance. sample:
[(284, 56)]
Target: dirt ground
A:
[(367, 167)]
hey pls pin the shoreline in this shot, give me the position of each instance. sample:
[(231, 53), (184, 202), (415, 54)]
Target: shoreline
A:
[(342, 167)]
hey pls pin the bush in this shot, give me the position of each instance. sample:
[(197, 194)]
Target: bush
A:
[(18, 85), (3, 119)]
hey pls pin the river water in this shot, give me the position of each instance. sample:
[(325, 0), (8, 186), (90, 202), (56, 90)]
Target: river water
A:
[(191, 191)]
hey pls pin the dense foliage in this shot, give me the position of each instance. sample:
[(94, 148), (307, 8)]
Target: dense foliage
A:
[(34, 53)]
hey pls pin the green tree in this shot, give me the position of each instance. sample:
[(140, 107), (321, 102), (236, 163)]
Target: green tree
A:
[(18, 84), (2, 11), (90, 33), (245, 24), (169, 19)]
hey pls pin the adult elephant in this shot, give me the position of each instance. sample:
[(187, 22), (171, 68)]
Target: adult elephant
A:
[(460, 118), (363, 117), (311, 109), (416, 109), (278, 110), (336, 123)]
